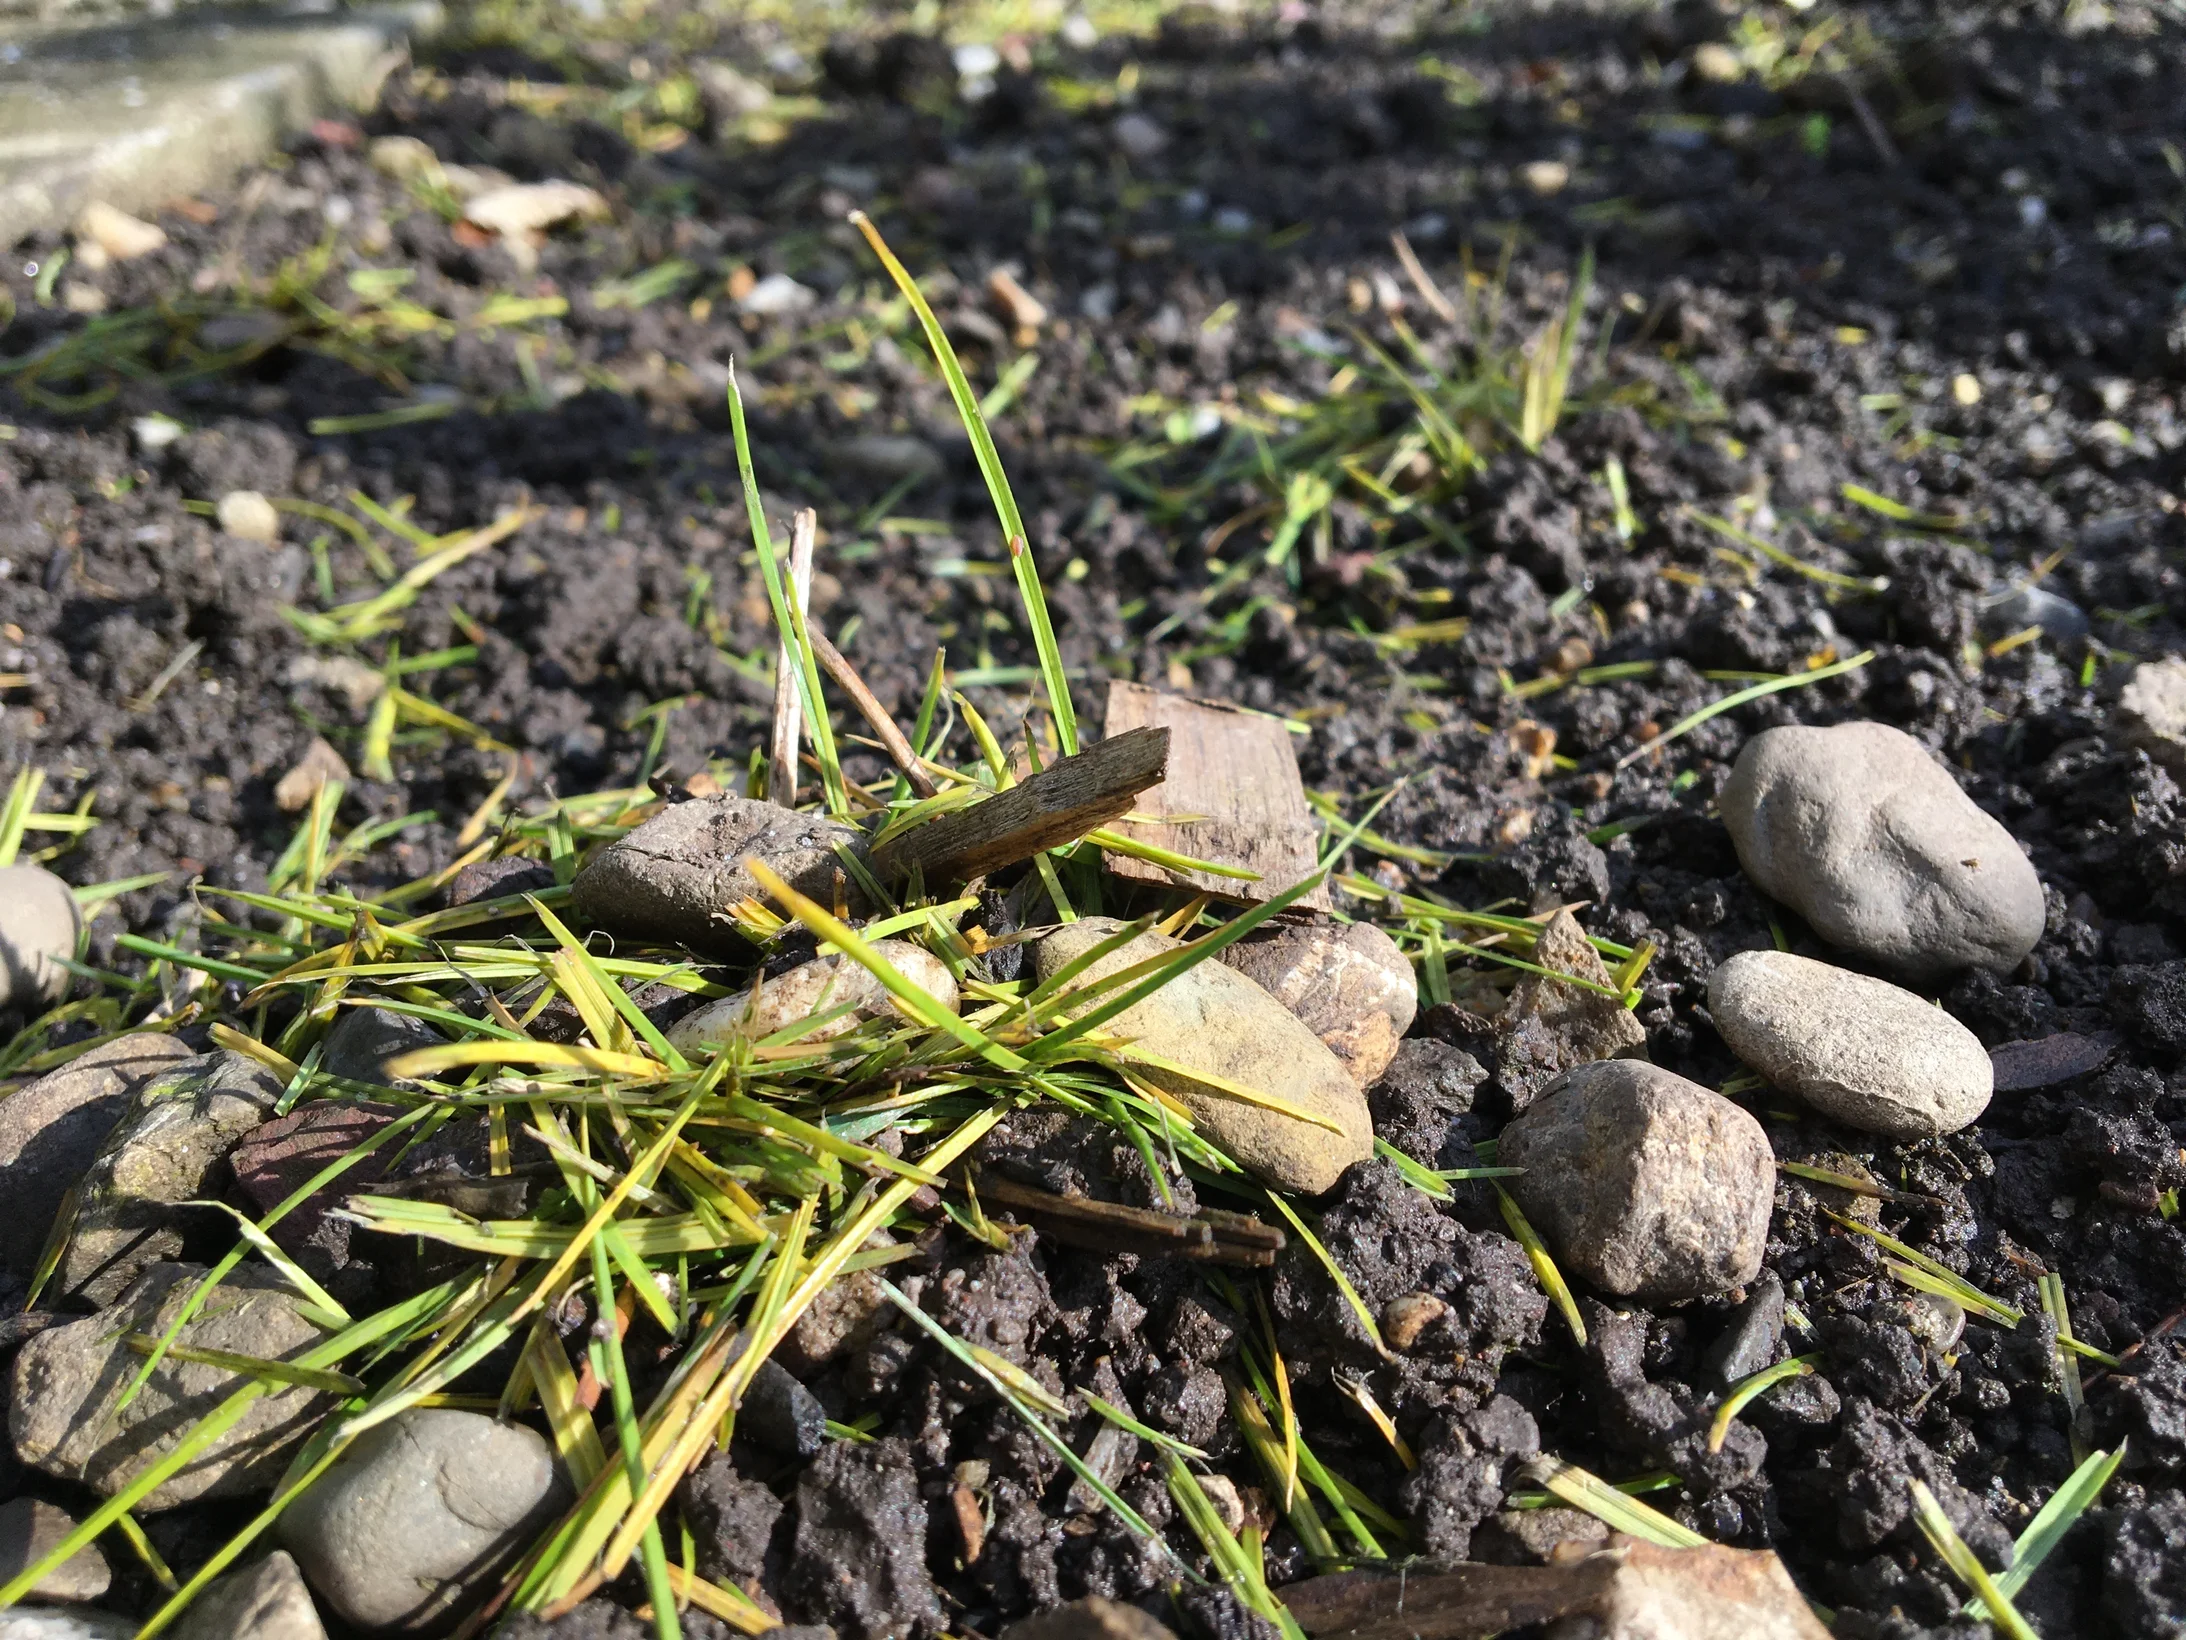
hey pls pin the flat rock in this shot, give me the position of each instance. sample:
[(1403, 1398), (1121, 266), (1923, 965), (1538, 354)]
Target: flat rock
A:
[(67, 1380), (2021, 1067), (420, 1512), (2152, 711), (1642, 1183), (1859, 1050), (133, 113), (821, 986), (38, 922), (31, 1529), (1214, 1019), (263, 1601), (1865, 834), (277, 1159), (1347, 981), (675, 878), (170, 1147), (51, 1131)]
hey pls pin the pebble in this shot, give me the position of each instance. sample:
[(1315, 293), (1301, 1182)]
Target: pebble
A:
[(2152, 709), (497, 878), (276, 1160), (265, 1601), (169, 1147), (2020, 1067), (1546, 176), (1749, 1342), (39, 921), (523, 210), (1862, 832), (118, 234), (249, 516), (1859, 1050), (1092, 1618), (1347, 981), (1214, 1019), (420, 1512), (363, 1040), (1548, 1026), (402, 158), (821, 986), (66, 1381), (676, 876), (1642, 1183), (1140, 138), (320, 764), (31, 1529), (887, 458), (51, 1131), (780, 1414), (778, 294), (31, 1623), (728, 93)]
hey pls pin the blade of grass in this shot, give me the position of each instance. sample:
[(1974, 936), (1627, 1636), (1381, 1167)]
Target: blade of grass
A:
[(1606, 1504), (2051, 1522), (1544, 1264), (1797, 680), (1743, 1392), (1966, 1566), (1052, 674)]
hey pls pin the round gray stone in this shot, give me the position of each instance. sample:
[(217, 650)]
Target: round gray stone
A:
[(1866, 835), (38, 922), (1860, 1050), (1643, 1184), (419, 1513)]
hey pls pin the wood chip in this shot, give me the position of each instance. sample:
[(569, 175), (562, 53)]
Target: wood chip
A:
[(1061, 803), (1234, 792)]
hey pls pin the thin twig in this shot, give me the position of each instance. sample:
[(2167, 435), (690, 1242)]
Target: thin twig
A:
[(788, 711), (833, 663), (1871, 123), (1429, 291)]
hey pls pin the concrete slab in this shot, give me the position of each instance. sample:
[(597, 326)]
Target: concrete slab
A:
[(139, 109)]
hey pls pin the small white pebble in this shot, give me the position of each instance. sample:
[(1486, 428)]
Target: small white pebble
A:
[(249, 516)]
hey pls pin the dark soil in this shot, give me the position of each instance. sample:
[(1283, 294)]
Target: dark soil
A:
[(1789, 284)]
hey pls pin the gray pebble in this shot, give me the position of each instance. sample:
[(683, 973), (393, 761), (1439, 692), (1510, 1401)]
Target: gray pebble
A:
[(781, 1414), (1643, 1184), (1858, 1049), (31, 1529), (1749, 1343), (675, 878), (420, 1512), (51, 1131), (67, 1381), (887, 458), (364, 1039), (1862, 832), (39, 921), (263, 1601)]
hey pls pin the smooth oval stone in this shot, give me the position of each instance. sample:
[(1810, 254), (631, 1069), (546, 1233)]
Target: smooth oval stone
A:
[(1861, 1050), (822, 985), (1644, 1184), (419, 1513), (1863, 833), (1214, 1019), (38, 923), (1349, 982)]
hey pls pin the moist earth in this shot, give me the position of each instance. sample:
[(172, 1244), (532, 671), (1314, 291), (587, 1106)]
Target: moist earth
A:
[(1947, 276)]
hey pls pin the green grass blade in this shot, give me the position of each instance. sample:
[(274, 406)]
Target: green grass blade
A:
[(2050, 1523), (1796, 680), (1544, 1264), (998, 486), (1617, 1510), (1743, 1392), (1966, 1566)]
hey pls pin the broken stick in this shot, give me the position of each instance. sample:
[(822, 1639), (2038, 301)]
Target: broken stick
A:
[(789, 715), (1060, 804), (876, 715)]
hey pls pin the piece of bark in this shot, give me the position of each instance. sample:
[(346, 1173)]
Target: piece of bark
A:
[(789, 714), (1234, 789), (1061, 803)]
